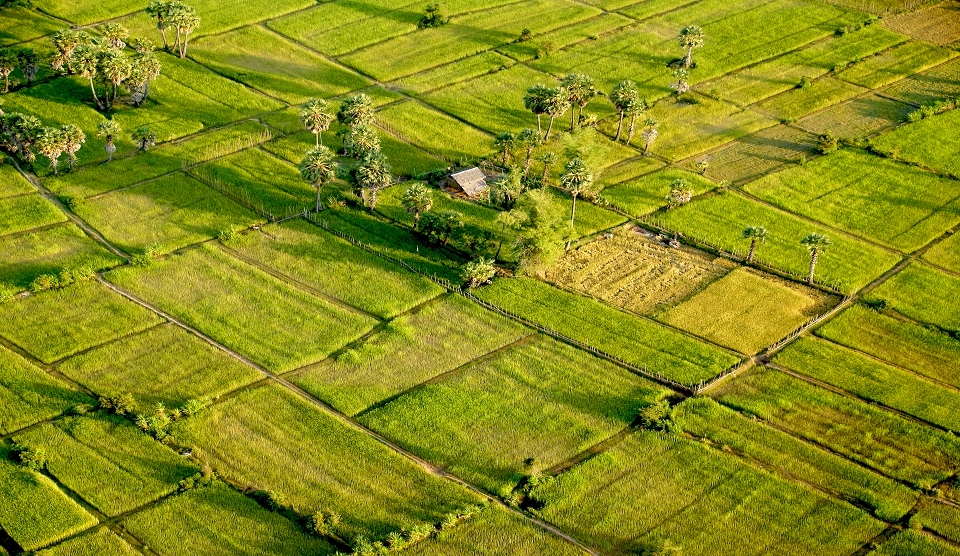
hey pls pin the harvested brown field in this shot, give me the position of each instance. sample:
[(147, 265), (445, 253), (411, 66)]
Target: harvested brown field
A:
[(859, 117), (635, 271), (881, 7), (939, 24), (752, 156), (930, 86)]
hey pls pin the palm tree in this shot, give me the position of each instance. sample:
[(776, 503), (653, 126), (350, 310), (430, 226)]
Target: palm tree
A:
[(691, 37), (29, 63), (144, 137), (555, 103), (534, 101), (73, 139), (548, 159), (160, 11), (816, 244), (144, 68), (356, 110), (359, 141), (680, 193), (649, 134), (108, 129), (8, 63), (623, 96), (756, 234), (319, 167), (416, 201), (66, 42), (114, 67), (506, 141), (186, 22), (51, 144), (87, 59), (506, 189), (314, 117), (576, 180), (681, 85), (530, 139), (372, 176), (115, 34), (635, 110), (580, 90)]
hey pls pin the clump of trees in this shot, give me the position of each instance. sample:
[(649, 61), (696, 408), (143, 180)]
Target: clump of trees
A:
[(680, 193), (478, 272), (157, 423), (31, 457), (318, 168), (177, 15), (433, 16)]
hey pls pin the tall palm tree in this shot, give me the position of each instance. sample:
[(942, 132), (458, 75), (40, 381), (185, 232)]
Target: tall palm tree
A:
[(114, 68), (108, 129), (51, 144), (144, 68), (690, 37), (756, 235), (416, 201), (115, 34), (356, 110), (505, 142), (576, 180), (682, 86), (73, 139), (160, 10), (184, 20), (556, 103), (530, 139), (29, 63), (372, 176), (680, 193), (548, 159), (314, 117), (815, 244), (534, 102), (87, 59), (8, 63), (649, 134), (623, 97), (66, 42), (506, 189), (580, 90), (144, 137), (635, 110), (359, 141), (319, 167)]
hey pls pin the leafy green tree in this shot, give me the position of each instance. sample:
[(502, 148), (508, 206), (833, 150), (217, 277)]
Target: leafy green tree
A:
[(580, 91), (65, 43), (29, 64), (505, 190), (8, 63), (440, 227), (691, 37), (505, 142), (356, 110), (756, 235), (478, 272), (556, 103), (680, 193), (624, 97), (51, 143), (649, 134), (31, 457), (73, 139), (108, 129), (318, 168), (372, 176), (576, 180), (417, 200), (144, 137), (433, 16), (115, 35), (816, 244), (184, 20), (530, 139), (541, 230), (315, 118), (535, 101)]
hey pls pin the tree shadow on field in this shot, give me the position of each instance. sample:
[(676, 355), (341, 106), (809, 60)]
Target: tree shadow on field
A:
[(399, 15)]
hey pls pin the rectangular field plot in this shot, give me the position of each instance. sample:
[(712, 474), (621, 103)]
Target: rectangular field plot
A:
[(455, 73), (858, 117), (683, 485), (336, 268), (162, 365), (12, 183), (262, 317), (434, 132), (929, 142), (35, 512), (495, 532), (464, 36), (29, 395), (911, 346), (849, 263), (895, 64), (274, 439), (877, 439), (924, 294), (57, 323), (25, 256), (108, 461), (219, 521), (629, 169), (488, 422), (101, 542), (642, 342), (25, 23), (760, 153), (648, 193), (779, 74), (868, 196), (217, 17), (946, 253), (928, 87), (274, 65), (594, 28), (913, 543), (168, 213), (939, 24), (25, 212), (414, 348), (706, 418), (636, 272), (820, 94), (940, 518), (747, 311)]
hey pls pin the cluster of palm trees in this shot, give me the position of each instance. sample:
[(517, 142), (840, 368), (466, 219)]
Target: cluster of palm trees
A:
[(815, 243), (25, 59), (20, 134), (104, 61), (320, 165), (181, 17)]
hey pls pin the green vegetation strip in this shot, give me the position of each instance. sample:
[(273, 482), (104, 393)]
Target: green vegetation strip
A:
[(928, 142), (102, 542), (924, 294), (49, 251), (941, 518), (913, 543)]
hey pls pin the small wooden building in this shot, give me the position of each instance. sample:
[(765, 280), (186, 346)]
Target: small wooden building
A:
[(473, 182)]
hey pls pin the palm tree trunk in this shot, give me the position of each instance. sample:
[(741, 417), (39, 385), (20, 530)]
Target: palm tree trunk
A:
[(319, 204), (546, 170), (539, 128), (504, 156), (619, 126), (163, 33), (573, 118), (753, 247), (646, 147), (6, 83), (573, 210), (813, 265), (549, 127), (94, 91), (416, 220), (688, 59), (633, 121), (526, 163), (317, 137)]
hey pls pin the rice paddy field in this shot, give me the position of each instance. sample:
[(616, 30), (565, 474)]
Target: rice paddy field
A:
[(196, 358)]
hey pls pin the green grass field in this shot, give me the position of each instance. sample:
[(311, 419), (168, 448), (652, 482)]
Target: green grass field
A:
[(162, 365), (413, 348), (895, 64), (912, 543), (98, 543), (637, 340), (875, 438), (859, 117), (30, 395), (270, 438), (226, 298), (49, 251), (747, 311), (929, 86), (218, 520), (25, 212), (435, 132), (946, 253), (941, 518), (108, 462), (924, 294), (12, 183), (648, 193), (797, 103), (473, 423), (927, 142)]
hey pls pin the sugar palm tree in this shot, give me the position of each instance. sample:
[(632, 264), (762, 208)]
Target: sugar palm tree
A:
[(506, 189), (690, 37), (144, 68), (816, 244), (534, 101), (315, 118), (623, 97), (548, 159), (114, 68), (680, 193), (756, 235), (160, 10), (556, 103), (184, 20), (8, 63), (73, 139), (372, 176), (681, 85), (649, 134), (29, 63), (144, 137), (416, 201), (636, 110), (319, 167), (115, 34), (530, 139), (51, 144), (505, 142), (86, 59), (356, 110), (66, 42), (576, 180), (108, 129), (360, 140), (580, 90)]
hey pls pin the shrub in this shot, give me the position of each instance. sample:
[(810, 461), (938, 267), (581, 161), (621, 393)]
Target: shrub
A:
[(525, 35), (43, 282), (227, 235), (805, 82), (478, 272), (827, 143), (30, 457), (195, 405), (546, 48), (122, 405), (440, 227), (655, 416), (323, 523), (433, 17), (156, 425), (271, 499)]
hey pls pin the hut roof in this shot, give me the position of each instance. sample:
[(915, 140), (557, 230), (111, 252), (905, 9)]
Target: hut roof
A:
[(473, 181)]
